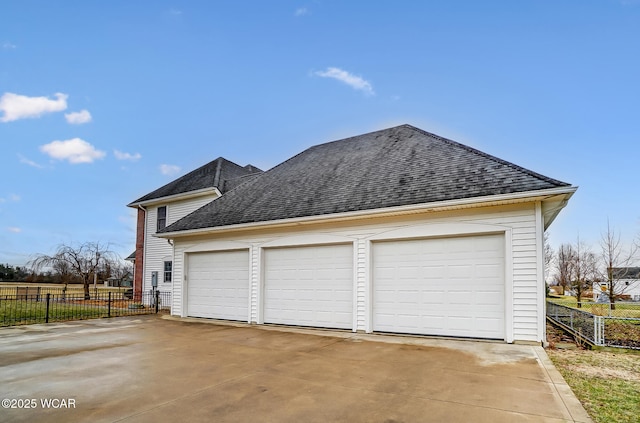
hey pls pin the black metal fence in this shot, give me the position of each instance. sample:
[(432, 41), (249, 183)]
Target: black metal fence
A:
[(41, 290), (597, 329), (28, 308)]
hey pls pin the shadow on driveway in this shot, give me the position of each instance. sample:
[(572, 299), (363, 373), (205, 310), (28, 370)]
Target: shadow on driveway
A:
[(150, 369)]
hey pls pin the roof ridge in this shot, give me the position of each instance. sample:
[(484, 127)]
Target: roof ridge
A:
[(356, 136), (214, 167), (488, 156), (440, 138), (216, 176)]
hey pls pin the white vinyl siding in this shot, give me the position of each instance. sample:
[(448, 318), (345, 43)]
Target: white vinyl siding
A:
[(523, 291), (158, 250)]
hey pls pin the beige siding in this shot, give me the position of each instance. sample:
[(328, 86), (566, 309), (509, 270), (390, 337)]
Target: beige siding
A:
[(518, 220)]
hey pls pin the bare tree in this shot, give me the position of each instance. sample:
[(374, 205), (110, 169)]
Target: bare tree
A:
[(549, 259), (549, 254), (121, 271), (585, 270), (565, 266), (84, 261), (617, 261)]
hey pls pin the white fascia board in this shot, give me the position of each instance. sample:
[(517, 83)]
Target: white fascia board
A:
[(487, 201), (177, 197), (552, 206)]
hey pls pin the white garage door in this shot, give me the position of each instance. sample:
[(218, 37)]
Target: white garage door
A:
[(445, 286), (218, 285), (309, 286)]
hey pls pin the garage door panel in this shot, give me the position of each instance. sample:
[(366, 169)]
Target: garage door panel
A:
[(432, 298), (460, 271), (488, 298), (448, 286), (464, 298), (489, 271), (459, 323), (218, 285), (309, 286)]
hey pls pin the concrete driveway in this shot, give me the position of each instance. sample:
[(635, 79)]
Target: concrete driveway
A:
[(150, 369)]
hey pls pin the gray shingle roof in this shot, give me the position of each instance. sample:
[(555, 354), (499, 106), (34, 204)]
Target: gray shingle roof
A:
[(626, 272), (220, 173), (393, 167)]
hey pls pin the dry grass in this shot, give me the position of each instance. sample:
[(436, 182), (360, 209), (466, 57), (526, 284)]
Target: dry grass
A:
[(606, 382)]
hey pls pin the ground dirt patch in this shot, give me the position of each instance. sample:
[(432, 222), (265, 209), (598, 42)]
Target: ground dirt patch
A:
[(607, 383)]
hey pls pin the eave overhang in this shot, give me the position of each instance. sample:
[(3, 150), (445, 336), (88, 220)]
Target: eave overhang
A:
[(177, 197), (552, 200)]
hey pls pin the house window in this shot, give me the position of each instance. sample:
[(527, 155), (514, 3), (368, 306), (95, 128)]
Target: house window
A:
[(167, 271), (162, 217)]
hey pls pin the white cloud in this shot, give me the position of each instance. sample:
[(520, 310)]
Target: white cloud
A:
[(74, 151), (78, 118), (29, 162), (14, 229), (127, 156), (169, 170), (8, 46), (301, 11), (17, 106), (13, 198), (355, 82)]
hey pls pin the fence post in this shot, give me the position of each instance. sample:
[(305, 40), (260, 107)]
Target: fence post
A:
[(598, 330), (571, 319), (157, 300), (46, 319), (109, 306)]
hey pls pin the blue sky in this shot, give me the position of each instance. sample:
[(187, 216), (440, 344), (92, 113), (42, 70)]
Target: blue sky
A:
[(102, 102)]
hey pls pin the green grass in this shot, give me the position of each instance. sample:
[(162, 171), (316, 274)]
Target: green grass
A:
[(29, 312), (75, 289), (20, 312), (621, 309), (606, 383)]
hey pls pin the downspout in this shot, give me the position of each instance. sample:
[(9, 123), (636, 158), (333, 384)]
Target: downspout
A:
[(540, 270), (173, 273), (144, 250)]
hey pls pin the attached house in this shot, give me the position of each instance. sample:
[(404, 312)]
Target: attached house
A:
[(153, 257), (398, 231)]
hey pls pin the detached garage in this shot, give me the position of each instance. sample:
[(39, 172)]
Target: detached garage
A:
[(398, 230)]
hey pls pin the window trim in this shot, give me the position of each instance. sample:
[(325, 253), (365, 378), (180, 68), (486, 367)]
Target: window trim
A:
[(161, 223), (167, 274)]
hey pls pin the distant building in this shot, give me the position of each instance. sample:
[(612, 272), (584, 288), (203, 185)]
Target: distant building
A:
[(627, 282)]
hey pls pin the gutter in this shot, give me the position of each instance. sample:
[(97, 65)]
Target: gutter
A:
[(182, 196), (493, 200)]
